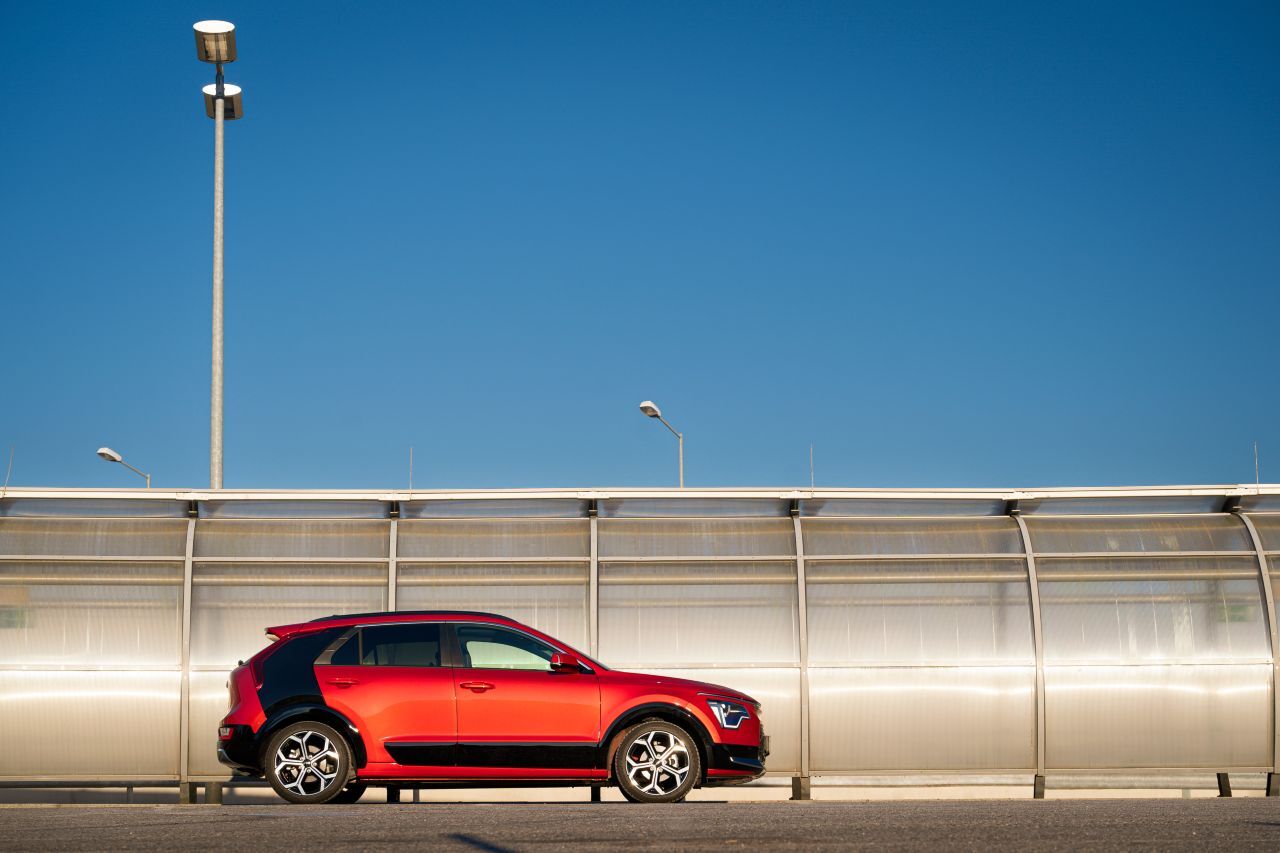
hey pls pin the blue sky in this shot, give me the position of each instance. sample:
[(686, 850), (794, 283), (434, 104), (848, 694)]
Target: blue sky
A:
[(988, 244)]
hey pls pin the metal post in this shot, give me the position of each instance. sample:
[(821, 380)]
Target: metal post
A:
[(391, 565), (1038, 636), (215, 398), (187, 790), (593, 591), (1268, 594), (1224, 784), (213, 793), (800, 784)]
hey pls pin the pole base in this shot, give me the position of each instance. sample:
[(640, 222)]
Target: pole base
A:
[(1037, 789), (1224, 784), (801, 788)]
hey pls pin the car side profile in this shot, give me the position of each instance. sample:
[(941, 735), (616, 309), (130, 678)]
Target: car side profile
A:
[(460, 699)]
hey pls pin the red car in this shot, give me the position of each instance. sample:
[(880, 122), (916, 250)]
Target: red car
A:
[(445, 698)]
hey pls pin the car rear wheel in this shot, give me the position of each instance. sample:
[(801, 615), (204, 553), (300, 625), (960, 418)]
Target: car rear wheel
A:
[(308, 762), (656, 762)]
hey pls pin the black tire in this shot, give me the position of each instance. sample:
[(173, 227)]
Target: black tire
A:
[(656, 762), (350, 794), (307, 762)]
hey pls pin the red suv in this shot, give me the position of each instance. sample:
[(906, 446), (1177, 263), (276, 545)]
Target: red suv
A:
[(427, 698)]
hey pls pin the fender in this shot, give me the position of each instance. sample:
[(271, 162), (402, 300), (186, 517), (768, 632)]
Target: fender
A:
[(655, 709), (321, 713)]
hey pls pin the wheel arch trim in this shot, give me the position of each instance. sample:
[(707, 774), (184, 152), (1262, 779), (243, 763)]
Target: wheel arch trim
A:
[(668, 711), (320, 713)]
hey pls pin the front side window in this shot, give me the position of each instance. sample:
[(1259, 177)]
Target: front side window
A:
[(486, 647), (396, 645)]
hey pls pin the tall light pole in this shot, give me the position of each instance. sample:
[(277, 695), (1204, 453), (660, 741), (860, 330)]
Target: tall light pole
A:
[(651, 409), (216, 44), (111, 456)]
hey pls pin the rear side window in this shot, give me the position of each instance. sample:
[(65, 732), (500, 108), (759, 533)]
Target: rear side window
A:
[(396, 645)]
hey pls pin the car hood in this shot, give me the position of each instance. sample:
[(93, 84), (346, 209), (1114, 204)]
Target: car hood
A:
[(687, 684)]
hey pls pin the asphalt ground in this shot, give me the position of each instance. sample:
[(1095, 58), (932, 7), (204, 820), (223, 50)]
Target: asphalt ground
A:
[(1234, 824)]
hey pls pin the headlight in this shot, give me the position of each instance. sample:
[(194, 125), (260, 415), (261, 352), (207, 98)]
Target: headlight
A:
[(728, 714)]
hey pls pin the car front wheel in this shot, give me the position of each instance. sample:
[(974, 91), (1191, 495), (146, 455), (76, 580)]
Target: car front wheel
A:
[(656, 762), (307, 762)]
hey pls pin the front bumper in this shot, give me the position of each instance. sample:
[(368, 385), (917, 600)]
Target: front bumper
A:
[(240, 751), (737, 763)]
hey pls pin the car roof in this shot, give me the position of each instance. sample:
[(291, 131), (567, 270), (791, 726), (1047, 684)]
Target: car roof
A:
[(415, 614), (347, 619)]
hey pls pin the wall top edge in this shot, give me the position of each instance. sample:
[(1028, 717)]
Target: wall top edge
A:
[(775, 493)]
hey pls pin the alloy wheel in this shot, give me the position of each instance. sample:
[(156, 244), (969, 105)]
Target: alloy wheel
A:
[(657, 762), (306, 763)]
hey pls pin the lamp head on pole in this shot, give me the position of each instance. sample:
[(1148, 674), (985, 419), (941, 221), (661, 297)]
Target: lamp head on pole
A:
[(110, 455), (232, 103), (215, 41), (651, 409)]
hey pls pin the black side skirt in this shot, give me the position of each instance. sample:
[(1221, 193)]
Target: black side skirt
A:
[(550, 756)]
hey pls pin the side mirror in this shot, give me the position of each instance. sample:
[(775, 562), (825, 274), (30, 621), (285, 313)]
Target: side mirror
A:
[(561, 662)]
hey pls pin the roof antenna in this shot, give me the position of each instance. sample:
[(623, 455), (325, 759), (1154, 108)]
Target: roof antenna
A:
[(5, 490), (811, 465)]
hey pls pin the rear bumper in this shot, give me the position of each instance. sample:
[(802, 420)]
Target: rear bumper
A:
[(240, 751)]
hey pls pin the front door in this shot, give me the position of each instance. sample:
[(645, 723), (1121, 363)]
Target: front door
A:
[(516, 717), (389, 681)]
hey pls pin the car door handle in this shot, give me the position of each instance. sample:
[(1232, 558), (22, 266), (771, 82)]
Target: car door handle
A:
[(477, 686), (343, 682)]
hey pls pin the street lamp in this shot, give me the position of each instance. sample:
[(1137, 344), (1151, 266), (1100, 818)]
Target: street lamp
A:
[(216, 44), (651, 409), (111, 456)]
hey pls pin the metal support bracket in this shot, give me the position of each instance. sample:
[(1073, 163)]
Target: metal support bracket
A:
[(802, 610), (1038, 636), (1269, 596)]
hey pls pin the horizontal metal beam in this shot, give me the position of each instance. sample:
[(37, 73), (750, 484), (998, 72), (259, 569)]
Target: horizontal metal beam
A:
[(775, 492)]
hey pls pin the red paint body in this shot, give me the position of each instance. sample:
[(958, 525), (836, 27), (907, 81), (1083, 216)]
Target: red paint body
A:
[(485, 723)]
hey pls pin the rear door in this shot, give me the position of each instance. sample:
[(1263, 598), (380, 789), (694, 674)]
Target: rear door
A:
[(515, 716), (390, 682)]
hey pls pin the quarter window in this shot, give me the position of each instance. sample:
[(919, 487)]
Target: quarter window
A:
[(485, 647), (397, 645)]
